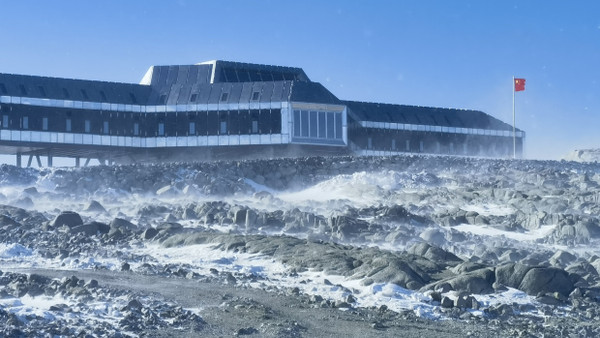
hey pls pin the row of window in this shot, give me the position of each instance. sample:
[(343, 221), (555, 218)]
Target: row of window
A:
[(310, 124), (41, 93), (438, 147), (438, 129), (200, 123)]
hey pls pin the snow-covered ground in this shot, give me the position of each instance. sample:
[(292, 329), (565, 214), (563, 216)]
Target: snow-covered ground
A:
[(381, 221)]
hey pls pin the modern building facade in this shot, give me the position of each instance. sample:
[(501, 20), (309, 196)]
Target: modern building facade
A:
[(225, 110)]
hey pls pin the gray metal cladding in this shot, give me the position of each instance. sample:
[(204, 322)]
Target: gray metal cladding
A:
[(459, 118), (71, 89), (312, 92)]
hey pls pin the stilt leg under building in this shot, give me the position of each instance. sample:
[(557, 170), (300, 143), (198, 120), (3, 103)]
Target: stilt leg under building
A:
[(19, 160)]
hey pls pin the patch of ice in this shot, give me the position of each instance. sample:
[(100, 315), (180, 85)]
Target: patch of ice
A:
[(489, 209), (484, 230), (14, 250)]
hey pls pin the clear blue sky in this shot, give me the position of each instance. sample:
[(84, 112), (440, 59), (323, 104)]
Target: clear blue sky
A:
[(443, 53)]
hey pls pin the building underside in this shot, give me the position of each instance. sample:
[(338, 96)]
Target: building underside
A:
[(226, 110)]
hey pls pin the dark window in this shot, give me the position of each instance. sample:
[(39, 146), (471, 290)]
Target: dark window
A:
[(330, 125), (338, 126), (42, 91), (447, 121), (68, 126), (297, 122), (133, 98), (192, 128), (255, 96), (3, 88), (5, 121), (224, 97), (161, 128), (105, 127), (84, 94), (23, 90), (254, 126), (418, 119), (44, 123), (66, 93), (136, 128), (25, 121), (103, 96), (193, 97), (87, 126), (223, 124), (304, 123), (162, 99), (276, 121), (322, 125), (313, 124)]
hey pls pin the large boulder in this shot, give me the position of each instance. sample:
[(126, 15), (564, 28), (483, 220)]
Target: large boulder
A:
[(541, 280), (68, 218)]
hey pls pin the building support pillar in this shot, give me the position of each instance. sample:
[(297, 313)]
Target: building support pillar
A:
[(77, 162), (49, 160), (29, 161), (87, 162), (39, 161), (19, 160)]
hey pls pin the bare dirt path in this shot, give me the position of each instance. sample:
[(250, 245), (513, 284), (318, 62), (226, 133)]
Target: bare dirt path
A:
[(229, 310)]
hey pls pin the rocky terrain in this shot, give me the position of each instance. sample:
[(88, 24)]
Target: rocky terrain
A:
[(384, 246)]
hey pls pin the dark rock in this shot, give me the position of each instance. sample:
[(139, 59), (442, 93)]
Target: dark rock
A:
[(125, 267), (122, 224), (447, 303), (94, 206), (91, 228), (68, 218), (149, 233), (544, 280), (246, 331)]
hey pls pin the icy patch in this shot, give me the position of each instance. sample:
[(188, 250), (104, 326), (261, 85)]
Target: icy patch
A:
[(483, 230), (14, 250), (489, 209), (258, 187)]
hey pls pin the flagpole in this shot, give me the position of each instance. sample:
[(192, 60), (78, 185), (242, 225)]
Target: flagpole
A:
[(514, 125)]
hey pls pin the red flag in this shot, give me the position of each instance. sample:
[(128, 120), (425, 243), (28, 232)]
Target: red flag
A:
[(519, 85)]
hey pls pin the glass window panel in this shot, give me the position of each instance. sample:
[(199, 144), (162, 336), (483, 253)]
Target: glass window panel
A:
[(338, 126), (313, 124), (136, 128), (322, 125), (330, 125), (161, 129), (296, 123), (87, 126), (192, 129), (44, 123), (25, 122), (223, 128), (304, 123), (105, 127), (68, 126)]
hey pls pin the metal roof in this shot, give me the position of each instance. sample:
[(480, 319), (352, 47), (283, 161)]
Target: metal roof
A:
[(70, 89), (445, 117)]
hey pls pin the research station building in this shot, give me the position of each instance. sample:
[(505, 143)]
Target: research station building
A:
[(226, 110)]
